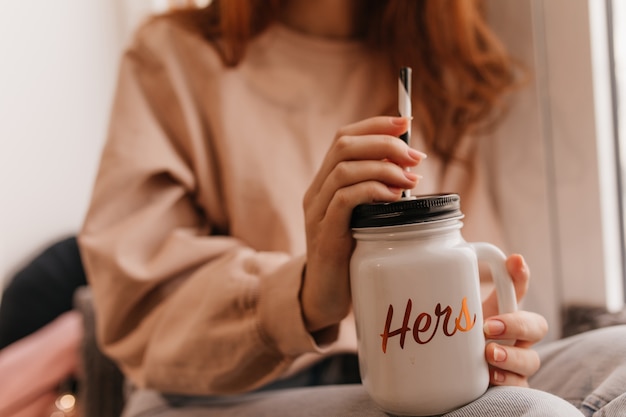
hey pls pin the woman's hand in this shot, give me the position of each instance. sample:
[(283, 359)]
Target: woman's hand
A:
[(513, 365), (366, 163)]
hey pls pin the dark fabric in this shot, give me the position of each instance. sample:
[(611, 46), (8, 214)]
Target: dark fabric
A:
[(101, 384), (41, 291), (335, 370)]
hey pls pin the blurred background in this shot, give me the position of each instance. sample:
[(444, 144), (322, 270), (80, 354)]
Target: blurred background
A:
[(561, 194), (58, 67)]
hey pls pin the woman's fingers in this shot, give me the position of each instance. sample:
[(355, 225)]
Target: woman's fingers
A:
[(500, 377), (362, 153), (526, 327), (511, 362), (512, 365), (343, 183), (370, 139), (520, 274)]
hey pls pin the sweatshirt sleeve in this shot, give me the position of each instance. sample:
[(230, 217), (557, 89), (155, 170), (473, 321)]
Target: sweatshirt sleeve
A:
[(181, 306)]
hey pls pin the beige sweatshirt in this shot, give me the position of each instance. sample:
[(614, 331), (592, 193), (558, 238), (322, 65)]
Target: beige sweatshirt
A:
[(194, 241)]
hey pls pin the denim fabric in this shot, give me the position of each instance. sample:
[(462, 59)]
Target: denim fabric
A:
[(342, 401), (588, 370), (584, 375)]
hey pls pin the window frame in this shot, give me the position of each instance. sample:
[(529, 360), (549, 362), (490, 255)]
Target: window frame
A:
[(554, 166)]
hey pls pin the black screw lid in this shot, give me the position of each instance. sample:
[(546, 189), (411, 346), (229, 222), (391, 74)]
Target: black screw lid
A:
[(419, 209)]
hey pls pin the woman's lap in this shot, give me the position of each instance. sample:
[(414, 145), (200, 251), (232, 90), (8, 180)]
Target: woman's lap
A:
[(340, 401), (588, 370)]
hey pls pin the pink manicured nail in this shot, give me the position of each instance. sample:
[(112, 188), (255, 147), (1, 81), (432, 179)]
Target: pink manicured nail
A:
[(398, 121), (498, 376), (417, 155), (494, 327), (499, 354)]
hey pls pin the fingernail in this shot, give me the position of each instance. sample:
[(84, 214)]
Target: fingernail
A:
[(493, 327), (412, 176), (399, 121), (499, 354), (417, 155), (524, 264), (498, 376)]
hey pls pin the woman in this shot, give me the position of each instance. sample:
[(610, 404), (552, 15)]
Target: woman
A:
[(243, 135)]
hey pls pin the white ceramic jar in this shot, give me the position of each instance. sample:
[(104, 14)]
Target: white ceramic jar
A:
[(416, 298)]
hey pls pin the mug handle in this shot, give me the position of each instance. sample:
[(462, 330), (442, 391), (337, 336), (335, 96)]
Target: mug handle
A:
[(495, 258)]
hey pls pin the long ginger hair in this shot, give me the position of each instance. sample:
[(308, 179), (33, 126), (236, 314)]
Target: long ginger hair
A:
[(461, 70)]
